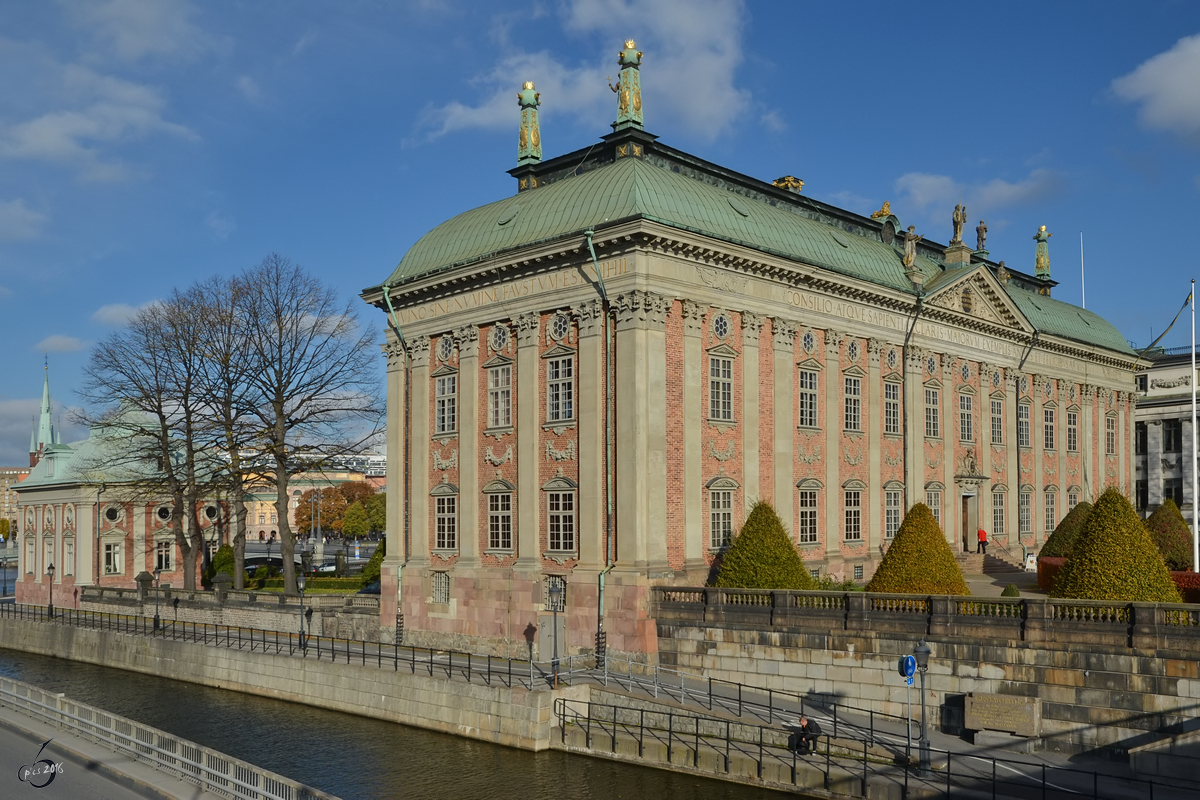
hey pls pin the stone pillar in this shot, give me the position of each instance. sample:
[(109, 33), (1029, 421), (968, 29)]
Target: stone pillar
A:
[(1037, 506), (396, 436), (1189, 447), (419, 444), (641, 431), (783, 336), (951, 500), (592, 497), (874, 429), (468, 439), (1087, 396), (833, 440), (1060, 442), (751, 327), (914, 405), (1012, 396), (1154, 458), (528, 410), (1124, 440), (693, 410)]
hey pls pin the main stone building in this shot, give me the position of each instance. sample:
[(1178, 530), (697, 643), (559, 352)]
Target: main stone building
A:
[(589, 384)]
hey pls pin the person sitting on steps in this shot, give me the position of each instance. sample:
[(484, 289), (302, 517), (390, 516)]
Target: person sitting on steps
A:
[(806, 735)]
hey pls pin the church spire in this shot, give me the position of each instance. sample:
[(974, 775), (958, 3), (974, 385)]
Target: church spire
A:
[(628, 88), (43, 432), (529, 145)]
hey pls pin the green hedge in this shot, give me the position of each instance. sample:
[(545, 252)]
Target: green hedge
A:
[(349, 584), (762, 555), (1115, 559), (1171, 535), (919, 560), (1062, 542)]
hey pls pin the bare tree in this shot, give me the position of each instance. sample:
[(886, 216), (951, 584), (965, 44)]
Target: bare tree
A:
[(313, 369)]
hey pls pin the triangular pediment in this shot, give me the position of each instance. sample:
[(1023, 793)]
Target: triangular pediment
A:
[(497, 361), (558, 351), (854, 371), (810, 363), (723, 350), (976, 294), (444, 369)]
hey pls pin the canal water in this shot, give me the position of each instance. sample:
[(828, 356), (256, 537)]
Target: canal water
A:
[(357, 757)]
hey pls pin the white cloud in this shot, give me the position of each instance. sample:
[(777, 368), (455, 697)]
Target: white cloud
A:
[(108, 110), (1165, 85), (927, 192), (118, 314), (773, 122), (693, 48), (59, 343), (17, 417), (18, 221), (134, 29), (303, 43), (249, 87)]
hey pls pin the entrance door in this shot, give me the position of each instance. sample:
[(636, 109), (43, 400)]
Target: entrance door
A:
[(966, 515)]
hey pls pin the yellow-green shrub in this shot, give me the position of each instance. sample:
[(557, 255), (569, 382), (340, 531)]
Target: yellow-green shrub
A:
[(762, 555), (920, 560), (1062, 541), (1171, 536), (1114, 559)]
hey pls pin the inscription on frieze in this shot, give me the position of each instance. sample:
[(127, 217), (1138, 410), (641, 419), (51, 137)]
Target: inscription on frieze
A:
[(1003, 712)]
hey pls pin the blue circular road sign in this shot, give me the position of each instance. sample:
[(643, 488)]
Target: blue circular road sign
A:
[(910, 666)]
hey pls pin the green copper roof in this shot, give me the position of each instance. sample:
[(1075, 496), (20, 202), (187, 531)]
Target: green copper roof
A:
[(1071, 322), (631, 188)]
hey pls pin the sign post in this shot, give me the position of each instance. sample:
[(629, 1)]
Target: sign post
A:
[(907, 667)]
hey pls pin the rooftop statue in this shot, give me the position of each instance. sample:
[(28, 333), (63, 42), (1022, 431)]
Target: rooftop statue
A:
[(629, 87), (910, 247), (1042, 262), (960, 217), (981, 236), (884, 211), (529, 143)]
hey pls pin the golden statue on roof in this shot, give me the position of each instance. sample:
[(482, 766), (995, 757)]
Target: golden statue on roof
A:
[(884, 211), (628, 88), (789, 182)]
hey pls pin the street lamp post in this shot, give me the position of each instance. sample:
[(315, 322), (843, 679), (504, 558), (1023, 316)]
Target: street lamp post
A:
[(50, 572), (301, 579), (555, 595), (157, 574), (921, 654)]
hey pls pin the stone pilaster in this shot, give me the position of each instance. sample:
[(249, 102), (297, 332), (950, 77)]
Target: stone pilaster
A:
[(833, 443), (783, 337), (874, 429), (1012, 469), (693, 410), (1060, 441), (751, 327), (1124, 441), (468, 438), (1087, 454), (1036, 434), (914, 430), (1189, 447), (397, 434), (951, 501), (528, 418), (641, 431), (592, 492), (419, 453)]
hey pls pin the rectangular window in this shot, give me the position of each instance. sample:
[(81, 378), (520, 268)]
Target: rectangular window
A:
[(815, 574), (934, 501), (853, 404), (560, 389), (891, 408), (274, 519), (68, 557), (1139, 438), (1141, 383), (932, 417), (998, 513), (853, 516), (966, 431), (262, 519), (720, 506), (446, 406), (556, 600), (1173, 490), (1110, 436), (1172, 436), (500, 521), (441, 587), (1142, 499), (891, 513), (48, 550), (113, 564), (162, 555), (562, 521), (1051, 515), (446, 523), (807, 529), (1072, 501), (1048, 428), (29, 557), (858, 572), (720, 388), (808, 399), (1023, 425), (500, 396), (1072, 431), (997, 422), (1025, 512)]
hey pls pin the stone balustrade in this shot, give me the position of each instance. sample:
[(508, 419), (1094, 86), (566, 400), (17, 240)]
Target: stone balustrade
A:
[(1141, 626)]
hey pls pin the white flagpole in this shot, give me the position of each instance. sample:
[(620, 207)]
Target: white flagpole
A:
[(1195, 503), (1082, 284)]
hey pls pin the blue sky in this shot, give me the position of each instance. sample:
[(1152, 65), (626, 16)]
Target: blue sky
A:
[(148, 143)]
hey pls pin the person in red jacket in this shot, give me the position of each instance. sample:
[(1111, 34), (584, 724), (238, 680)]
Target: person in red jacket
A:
[(982, 546)]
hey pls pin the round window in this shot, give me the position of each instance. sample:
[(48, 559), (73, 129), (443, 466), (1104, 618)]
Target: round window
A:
[(931, 365), (809, 342), (445, 348), (852, 350), (211, 512), (891, 358), (996, 379), (1049, 388), (721, 326), (559, 326), (164, 513), (499, 337), (111, 514), (1024, 384), (966, 372)]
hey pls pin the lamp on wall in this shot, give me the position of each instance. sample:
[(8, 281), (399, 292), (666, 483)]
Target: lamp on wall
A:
[(50, 572), (921, 654)]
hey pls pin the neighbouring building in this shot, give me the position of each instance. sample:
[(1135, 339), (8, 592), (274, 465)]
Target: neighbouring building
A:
[(262, 520), (591, 381), (9, 478), (1164, 435)]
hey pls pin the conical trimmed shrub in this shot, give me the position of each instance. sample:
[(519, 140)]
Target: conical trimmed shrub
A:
[(1114, 559), (1171, 535), (762, 556), (920, 560), (1062, 542)]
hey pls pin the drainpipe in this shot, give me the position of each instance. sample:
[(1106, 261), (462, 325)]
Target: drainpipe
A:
[(608, 400), (904, 384), (99, 491), (405, 533)]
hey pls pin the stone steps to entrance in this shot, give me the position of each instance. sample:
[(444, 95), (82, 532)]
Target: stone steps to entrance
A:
[(994, 565)]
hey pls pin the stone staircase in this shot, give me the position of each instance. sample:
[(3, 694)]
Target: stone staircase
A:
[(998, 565)]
